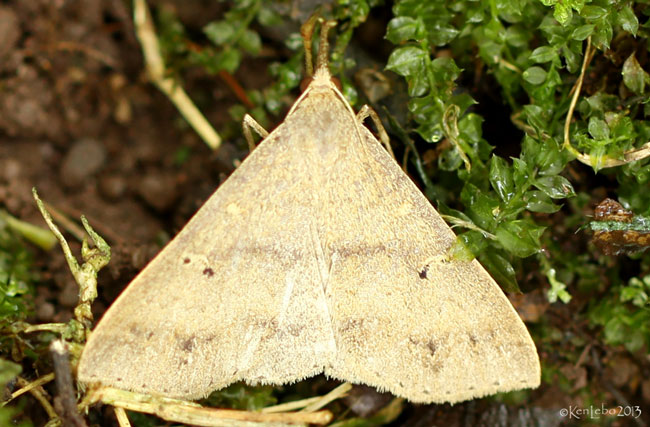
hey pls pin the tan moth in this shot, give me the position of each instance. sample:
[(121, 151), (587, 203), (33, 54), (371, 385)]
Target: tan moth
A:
[(317, 255)]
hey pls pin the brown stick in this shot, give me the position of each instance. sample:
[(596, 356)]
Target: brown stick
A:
[(65, 402)]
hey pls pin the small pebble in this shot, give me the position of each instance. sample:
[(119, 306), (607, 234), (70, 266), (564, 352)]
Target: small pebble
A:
[(112, 187), (365, 401), (44, 311), (85, 158), (10, 169), (159, 191)]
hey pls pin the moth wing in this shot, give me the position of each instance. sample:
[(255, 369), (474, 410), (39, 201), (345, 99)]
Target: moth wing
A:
[(406, 319), (235, 295)]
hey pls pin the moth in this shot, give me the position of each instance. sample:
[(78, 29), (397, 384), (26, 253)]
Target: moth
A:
[(317, 255)]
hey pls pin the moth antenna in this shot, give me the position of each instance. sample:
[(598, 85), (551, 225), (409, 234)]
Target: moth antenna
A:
[(307, 31), (322, 61)]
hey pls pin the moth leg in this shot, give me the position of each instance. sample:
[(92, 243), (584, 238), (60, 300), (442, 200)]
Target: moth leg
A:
[(367, 111), (249, 123)]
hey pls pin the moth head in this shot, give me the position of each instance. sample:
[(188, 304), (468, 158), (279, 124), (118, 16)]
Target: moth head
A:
[(305, 82)]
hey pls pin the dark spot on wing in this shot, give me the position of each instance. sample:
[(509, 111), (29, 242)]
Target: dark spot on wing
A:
[(208, 272), (188, 344), (149, 334), (426, 350), (423, 272), (432, 348), (186, 261)]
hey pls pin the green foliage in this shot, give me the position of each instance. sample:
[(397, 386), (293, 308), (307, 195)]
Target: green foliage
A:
[(535, 53), (16, 278), (530, 183), (624, 314), (241, 396), (231, 37), (8, 372), (8, 415), (384, 416)]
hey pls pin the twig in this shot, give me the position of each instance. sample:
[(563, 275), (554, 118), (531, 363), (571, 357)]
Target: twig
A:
[(337, 393), (146, 34), (509, 66), (405, 158), (234, 85), (86, 274), (122, 419), (450, 127), (88, 51), (67, 211), (191, 413), (628, 157), (65, 400), (39, 394), (32, 385), (583, 356), (59, 328), (290, 406), (39, 236), (311, 403), (576, 94), (67, 224)]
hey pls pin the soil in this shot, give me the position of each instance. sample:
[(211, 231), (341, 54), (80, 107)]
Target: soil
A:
[(80, 123)]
